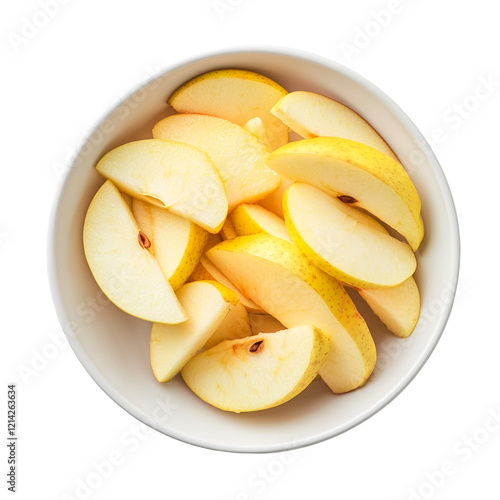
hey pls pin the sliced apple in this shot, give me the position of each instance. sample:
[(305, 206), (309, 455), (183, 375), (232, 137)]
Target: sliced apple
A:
[(235, 95), (256, 127), (171, 346), (238, 155), (257, 372), (397, 307), (236, 325), (274, 274), (264, 323), (216, 275), (170, 175), (358, 175), (274, 201), (334, 236), (252, 219), (176, 243), (200, 274), (315, 115), (227, 232), (122, 266)]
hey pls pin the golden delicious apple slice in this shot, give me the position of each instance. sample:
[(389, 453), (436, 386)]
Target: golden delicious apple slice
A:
[(252, 219), (274, 274), (274, 201), (171, 175), (264, 323), (358, 175), (122, 266), (176, 243), (314, 115), (235, 95), (334, 236), (397, 307), (249, 304), (207, 304), (256, 127), (200, 274), (238, 155), (227, 232), (236, 325), (257, 372)]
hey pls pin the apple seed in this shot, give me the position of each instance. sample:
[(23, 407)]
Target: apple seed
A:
[(144, 240), (257, 346), (346, 198)]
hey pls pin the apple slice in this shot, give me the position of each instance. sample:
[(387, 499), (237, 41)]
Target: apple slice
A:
[(176, 243), (207, 304), (358, 175), (252, 219), (171, 175), (315, 115), (235, 95), (216, 275), (336, 238), (274, 274), (125, 271), (227, 232), (264, 323), (274, 201), (238, 155), (256, 127), (236, 325), (257, 372), (397, 307)]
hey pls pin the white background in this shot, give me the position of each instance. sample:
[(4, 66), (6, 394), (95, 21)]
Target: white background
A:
[(431, 58)]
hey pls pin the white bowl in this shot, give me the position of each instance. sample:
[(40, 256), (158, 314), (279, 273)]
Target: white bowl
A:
[(114, 347)]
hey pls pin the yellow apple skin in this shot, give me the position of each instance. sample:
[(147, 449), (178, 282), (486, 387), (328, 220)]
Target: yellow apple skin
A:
[(171, 175), (258, 372), (200, 274), (176, 243), (207, 304), (315, 115), (238, 155), (397, 307), (124, 270), (373, 180), (343, 242), (252, 219), (274, 274), (235, 95)]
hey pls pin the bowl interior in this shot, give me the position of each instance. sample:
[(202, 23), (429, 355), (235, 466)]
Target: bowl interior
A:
[(114, 347)]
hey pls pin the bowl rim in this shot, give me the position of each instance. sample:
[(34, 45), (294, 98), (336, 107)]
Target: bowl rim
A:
[(314, 438)]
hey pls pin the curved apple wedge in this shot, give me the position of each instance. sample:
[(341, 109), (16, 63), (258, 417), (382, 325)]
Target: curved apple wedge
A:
[(340, 240), (235, 95), (122, 266), (249, 218), (238, 155), (315, 115), (171, 175), (207, 304), (206, 270), (357, 174), (236, 325), (176, 243), (273, 273), (258, 372), (397, 307)]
